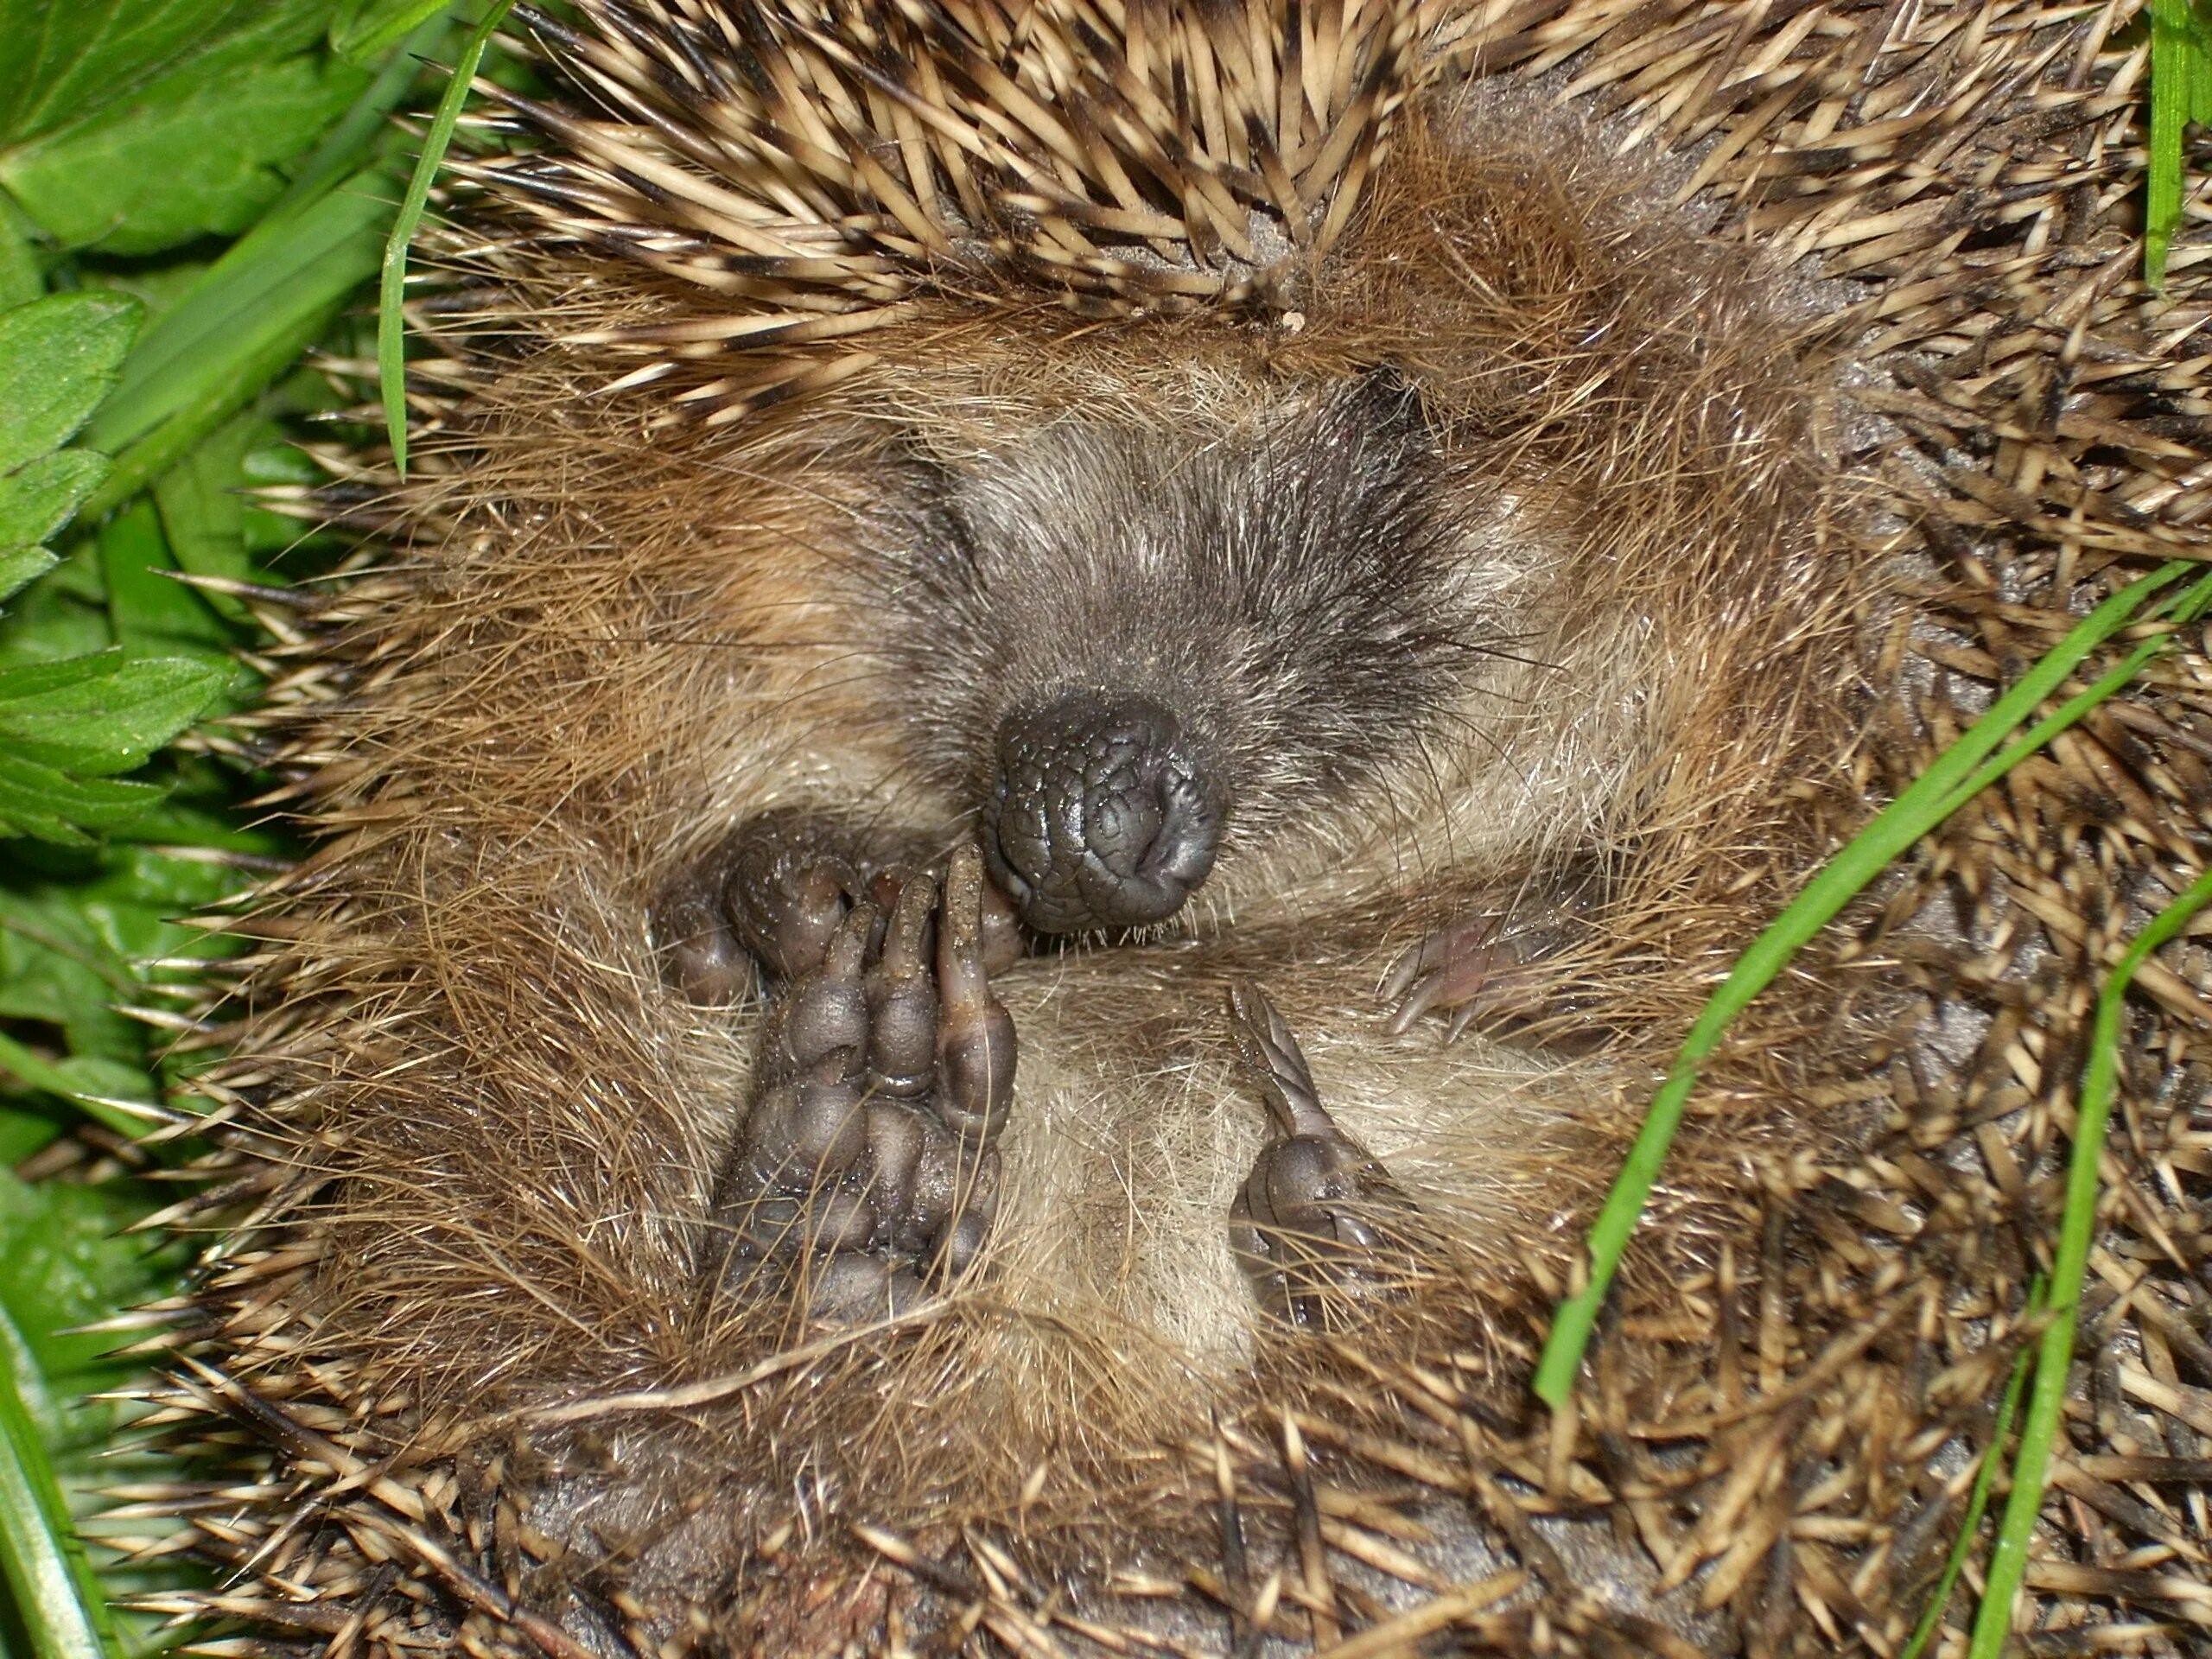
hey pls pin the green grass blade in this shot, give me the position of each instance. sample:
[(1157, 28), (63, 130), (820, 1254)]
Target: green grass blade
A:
[(2181, 71), (243, 323), (2200, 87), (2008, 1561), (2171, 86), (1978, 1500), (1931, 798), (2180, 609), (392, 293), (52, 1581), (346, 145)]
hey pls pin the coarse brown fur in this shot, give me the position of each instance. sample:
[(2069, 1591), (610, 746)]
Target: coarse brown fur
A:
[(485, 1126)]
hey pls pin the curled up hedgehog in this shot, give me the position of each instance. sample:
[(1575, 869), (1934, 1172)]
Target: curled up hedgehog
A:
[(1069, 704)]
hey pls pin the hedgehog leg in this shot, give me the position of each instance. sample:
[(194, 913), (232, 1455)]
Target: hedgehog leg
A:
[(868, 1157), (1313, 1224), (1491, 968)]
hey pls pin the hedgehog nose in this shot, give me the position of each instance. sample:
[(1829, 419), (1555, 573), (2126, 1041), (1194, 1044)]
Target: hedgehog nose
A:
[(1102, 815)]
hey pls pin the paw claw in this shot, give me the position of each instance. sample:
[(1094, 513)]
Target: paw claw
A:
[(789, 914), (810, 927), (826, 1012), (902, 999), (1271, 1057), (1422, 957), (708, 961), (974, 1041)]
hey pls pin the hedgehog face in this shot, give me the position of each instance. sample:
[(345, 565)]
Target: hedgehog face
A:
[(1137, 652)]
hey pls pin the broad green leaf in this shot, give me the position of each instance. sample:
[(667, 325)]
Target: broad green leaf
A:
[(95, 1074), (363, 29), (104, 714), (39, 801), (267, 532), (203, 513), (62, 614), (55, 962), (151, 611), (23, 1131), (178, 823), (26, 1067), (59, 357), (19, 565), (64, 61), (39, 497), (134, 891), (189, 158), (64, 1262), (21, 279), (70, 944), (53, 1584), (46, 988), (160, 286), (247, 317), (85, 1085), (243, 324)]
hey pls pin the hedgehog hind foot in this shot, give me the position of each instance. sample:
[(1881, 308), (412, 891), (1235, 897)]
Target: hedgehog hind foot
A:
[(764, 904), (866, 1166), (1318, 1226)]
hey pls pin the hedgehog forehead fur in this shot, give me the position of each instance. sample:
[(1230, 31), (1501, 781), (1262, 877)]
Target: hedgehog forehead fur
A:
[(1302, 588)]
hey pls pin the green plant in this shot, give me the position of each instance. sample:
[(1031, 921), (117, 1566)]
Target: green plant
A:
[(193, 193), (2181, 92)]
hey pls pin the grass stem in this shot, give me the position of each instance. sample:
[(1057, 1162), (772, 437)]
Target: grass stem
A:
[(1985, 1476), (391, 288), (1946, 785), (2008, 1559)]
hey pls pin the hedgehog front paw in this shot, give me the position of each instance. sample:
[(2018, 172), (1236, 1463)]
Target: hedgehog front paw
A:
[(1313, 1226), (868, 1162), (1492, 968)]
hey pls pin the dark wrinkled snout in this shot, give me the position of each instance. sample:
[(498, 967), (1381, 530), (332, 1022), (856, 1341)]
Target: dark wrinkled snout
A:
[(1102, 813)]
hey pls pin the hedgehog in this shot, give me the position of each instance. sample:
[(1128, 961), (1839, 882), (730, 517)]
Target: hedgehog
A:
[(1067, 707)]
